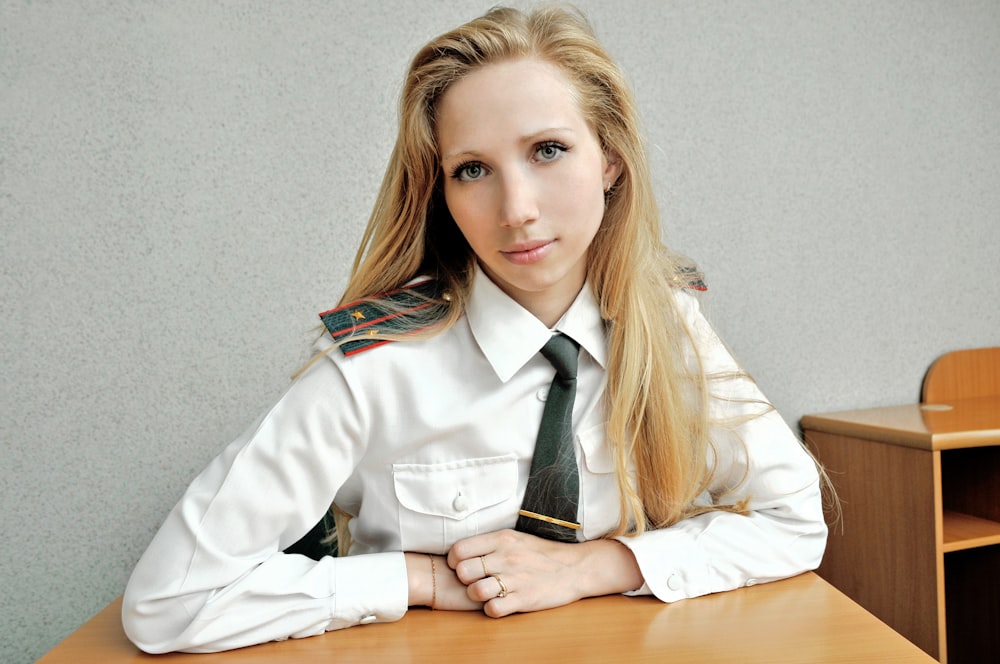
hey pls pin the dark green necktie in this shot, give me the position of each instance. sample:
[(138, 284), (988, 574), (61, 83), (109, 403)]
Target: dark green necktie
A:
[(550, 501)]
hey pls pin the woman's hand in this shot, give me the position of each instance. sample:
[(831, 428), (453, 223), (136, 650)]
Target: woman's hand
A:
[(433, 583), (510, 571)]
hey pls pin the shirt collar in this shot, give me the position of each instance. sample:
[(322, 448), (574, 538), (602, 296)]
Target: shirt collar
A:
[(509, 335)]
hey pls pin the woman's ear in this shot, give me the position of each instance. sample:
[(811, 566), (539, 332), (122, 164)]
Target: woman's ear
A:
[(612, 168)]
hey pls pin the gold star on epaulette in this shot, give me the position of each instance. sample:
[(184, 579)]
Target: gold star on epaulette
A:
[(357, 315)]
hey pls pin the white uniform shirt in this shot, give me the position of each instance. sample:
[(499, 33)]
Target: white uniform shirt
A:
[(427, 442)]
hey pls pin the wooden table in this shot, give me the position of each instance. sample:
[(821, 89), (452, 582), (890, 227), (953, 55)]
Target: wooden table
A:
[(919, 542), (799, 620)]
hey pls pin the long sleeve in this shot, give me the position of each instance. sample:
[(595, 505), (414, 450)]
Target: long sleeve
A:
[(757, 458), (215, 578)]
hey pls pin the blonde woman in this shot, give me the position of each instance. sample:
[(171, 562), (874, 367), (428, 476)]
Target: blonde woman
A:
[(515, 231)]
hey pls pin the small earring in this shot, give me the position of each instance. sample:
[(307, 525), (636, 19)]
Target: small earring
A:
[(607, 187)]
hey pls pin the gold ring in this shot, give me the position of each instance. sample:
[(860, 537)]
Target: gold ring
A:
[(503, 588), (486, 572)]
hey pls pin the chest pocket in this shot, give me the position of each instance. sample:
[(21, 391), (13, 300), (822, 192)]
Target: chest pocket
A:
[(445, 502), (598, 484)]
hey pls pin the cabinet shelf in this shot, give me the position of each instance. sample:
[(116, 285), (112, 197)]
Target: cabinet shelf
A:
[(964, 531)]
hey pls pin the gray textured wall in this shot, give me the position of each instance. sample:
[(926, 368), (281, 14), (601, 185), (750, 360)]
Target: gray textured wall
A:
[(182, 185)]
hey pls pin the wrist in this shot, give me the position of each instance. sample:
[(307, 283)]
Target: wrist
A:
[(418, 579), (608, 567)]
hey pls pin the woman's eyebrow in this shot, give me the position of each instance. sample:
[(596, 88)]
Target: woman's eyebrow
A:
[(460, 153)]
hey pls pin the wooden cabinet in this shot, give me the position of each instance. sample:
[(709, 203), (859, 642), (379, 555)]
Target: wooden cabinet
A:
[(918, 541)]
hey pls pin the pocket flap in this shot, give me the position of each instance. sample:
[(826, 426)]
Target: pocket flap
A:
[(596, 451), (455, 489)]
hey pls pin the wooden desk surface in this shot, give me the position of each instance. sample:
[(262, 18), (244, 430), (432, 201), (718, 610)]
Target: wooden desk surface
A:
[(958, 423), (799, 620)]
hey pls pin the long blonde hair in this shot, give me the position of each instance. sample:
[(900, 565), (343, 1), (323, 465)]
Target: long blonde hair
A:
[(657, 413)]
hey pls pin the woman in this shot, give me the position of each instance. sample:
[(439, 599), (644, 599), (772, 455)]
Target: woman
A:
[(516, 209)]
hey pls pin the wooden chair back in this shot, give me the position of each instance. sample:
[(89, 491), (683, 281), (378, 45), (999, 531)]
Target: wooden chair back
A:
[(963, 374)]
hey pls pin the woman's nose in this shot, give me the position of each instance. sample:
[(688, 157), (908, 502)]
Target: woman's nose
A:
[(518, 204)]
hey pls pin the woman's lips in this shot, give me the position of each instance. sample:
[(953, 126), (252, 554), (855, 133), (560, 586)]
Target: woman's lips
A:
[(528, 252)]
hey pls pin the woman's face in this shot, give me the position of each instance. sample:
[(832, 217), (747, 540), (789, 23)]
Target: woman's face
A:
[(524, 179)]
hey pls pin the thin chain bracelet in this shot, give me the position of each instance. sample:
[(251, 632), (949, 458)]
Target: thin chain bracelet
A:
[(434, 583)]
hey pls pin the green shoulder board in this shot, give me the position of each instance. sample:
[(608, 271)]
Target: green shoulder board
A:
[(364, 322), (689, 276)]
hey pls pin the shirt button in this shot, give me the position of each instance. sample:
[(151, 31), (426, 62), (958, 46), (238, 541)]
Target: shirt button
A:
[(370, 618), (461, 503), (674, 582), (543, 394)]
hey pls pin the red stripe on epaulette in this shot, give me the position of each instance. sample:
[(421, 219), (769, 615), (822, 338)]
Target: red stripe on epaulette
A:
[(369, 323)]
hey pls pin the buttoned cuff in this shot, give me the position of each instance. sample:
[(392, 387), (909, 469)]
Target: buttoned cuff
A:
[(370, 588), (673, 566)]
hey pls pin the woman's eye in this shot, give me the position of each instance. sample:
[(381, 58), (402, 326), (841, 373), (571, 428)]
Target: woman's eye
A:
[(549, 151), (469, 172)]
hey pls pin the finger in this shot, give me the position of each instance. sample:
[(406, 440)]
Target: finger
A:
[(487, 589), (471, 547), (498, 607), (471, 570)]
